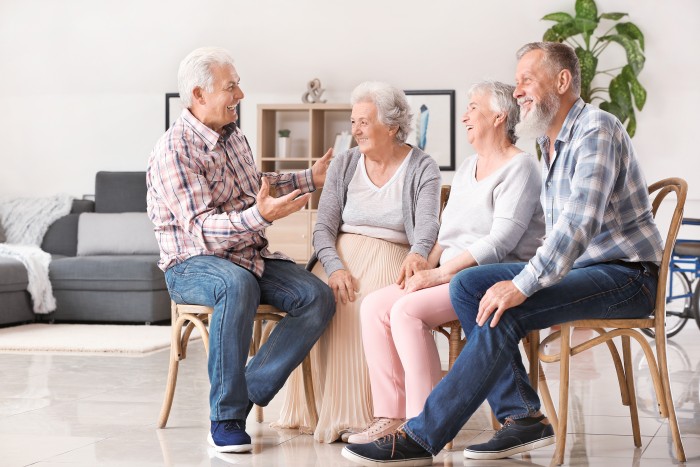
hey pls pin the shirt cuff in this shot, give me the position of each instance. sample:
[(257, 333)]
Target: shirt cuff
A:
[(304, 181), (253, 220), (526, 282)]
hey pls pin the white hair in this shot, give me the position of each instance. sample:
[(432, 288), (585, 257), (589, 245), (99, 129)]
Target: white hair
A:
[(502, 100), (195, 71), (391, 103)]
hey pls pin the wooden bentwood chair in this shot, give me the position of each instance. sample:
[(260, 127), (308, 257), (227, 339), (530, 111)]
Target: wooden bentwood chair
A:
[(608, 329), (186, 317)]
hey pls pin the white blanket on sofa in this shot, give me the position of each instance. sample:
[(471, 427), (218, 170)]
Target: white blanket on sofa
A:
[(37, 263), (26, 221)]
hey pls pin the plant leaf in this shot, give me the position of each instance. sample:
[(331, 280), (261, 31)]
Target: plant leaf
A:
[(559, 17), (638, 91), (613, 16), (632, 31), (615, 110), (635, 57), (586, 9), (561, 31), (588, 63), (550, 35), (620, 95), (586, 25), (632, 124)]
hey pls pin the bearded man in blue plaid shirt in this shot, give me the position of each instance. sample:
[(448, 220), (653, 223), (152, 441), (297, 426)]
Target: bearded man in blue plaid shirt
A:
[(599, 259)]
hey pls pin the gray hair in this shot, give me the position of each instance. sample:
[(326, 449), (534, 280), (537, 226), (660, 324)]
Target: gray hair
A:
[(557, 57), (195, 71), (392, 106), (502, 100)]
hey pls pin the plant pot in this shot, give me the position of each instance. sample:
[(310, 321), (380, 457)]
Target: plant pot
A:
[(284, 146)]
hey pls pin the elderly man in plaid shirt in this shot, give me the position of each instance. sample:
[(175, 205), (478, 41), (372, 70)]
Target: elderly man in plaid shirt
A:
[(210, 207), (599, 259)]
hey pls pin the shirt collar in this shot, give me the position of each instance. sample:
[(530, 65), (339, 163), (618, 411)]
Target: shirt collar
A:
[(209, 136), (566, 129)]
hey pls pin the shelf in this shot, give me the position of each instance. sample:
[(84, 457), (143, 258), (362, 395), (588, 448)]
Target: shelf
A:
[(313, 130)]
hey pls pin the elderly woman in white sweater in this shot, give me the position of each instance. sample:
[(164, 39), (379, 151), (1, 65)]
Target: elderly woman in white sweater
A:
[(493, 215), (377, 223)]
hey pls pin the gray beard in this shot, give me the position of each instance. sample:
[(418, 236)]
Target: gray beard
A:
[(537, 121)]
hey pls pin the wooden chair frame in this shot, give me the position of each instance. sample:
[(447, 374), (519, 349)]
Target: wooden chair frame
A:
[(186, 317), (608, 329)]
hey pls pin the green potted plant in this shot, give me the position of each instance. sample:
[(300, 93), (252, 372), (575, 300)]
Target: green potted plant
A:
[(623, 93)]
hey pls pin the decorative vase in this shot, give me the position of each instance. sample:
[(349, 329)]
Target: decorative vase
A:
[(284, 145)]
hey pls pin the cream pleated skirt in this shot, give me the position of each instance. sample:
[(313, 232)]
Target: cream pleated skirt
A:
[(340, 378)]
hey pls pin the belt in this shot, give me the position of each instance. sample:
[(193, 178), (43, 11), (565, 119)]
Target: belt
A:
[(648, 266)]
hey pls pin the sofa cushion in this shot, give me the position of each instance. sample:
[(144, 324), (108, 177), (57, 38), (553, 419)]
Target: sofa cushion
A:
[(126, 233), (108, 272), (13, 275), (120, 192)]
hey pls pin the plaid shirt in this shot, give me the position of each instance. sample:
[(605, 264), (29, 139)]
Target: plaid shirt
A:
[(595, 201), (201, 195)]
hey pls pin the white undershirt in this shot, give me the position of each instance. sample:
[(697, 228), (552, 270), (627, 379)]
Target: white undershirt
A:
[(374, 211)]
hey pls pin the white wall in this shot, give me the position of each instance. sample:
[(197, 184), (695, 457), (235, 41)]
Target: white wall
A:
[(82, 82)]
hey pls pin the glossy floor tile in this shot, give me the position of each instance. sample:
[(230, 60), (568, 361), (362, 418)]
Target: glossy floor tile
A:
[(70, 411)]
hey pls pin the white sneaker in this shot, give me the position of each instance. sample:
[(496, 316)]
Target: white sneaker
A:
[(378, 428)]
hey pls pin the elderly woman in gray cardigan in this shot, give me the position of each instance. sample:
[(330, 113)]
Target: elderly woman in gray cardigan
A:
[(377, 223)]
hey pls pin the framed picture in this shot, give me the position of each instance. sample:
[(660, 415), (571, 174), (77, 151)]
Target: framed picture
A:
[(173, 109), (433, 128)]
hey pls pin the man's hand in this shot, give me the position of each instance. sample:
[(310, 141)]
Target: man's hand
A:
[(424, 279), (411, 265), (497, 299), (320, 167), (343, 285), (276, 208)]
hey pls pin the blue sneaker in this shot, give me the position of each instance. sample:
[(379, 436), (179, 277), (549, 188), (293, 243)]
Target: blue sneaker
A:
[(515, 437), (229, 436), (393, 449)]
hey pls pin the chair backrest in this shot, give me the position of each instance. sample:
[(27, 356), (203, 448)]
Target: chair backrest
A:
[(444, 196), (662, 188)]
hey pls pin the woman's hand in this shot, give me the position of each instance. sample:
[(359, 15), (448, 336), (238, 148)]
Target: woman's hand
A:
[(411, 265), (342, 284), (425, 279)]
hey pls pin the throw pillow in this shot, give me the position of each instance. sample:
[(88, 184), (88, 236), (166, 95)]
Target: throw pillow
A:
[(125, 233)]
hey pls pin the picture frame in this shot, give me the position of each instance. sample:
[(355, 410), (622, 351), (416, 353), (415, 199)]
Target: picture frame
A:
[(173, 109), (433, 127)]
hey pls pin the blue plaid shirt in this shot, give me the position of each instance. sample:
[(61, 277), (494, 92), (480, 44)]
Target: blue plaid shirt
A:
[(595, 200)]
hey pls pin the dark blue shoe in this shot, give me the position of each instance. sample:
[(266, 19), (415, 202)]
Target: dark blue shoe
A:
[(229, 436), (393, 449), (515, 437)]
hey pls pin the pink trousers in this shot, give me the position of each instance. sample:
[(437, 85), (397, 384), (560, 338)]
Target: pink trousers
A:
[(400, 350)]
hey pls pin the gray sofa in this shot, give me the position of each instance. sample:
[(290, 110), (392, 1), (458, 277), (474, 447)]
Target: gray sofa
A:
[(103, 266)]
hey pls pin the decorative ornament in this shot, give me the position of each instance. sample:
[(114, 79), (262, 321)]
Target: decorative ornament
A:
[(313, 92)]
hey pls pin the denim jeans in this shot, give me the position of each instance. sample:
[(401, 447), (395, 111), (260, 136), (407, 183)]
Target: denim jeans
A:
[(235, 293), (490, 366)]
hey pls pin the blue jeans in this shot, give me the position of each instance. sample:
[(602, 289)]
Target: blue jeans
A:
[(235, 293), (490, 366)]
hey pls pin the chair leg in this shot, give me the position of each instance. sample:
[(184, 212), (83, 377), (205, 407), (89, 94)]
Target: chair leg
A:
[(666, 383), (619, 369), (564, 353), (175, 353), (629, 376)]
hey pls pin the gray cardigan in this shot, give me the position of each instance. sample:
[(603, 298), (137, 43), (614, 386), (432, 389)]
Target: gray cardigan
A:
[(421, 205)]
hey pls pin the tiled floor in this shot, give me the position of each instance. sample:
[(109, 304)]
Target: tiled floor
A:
[(101, 411)]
